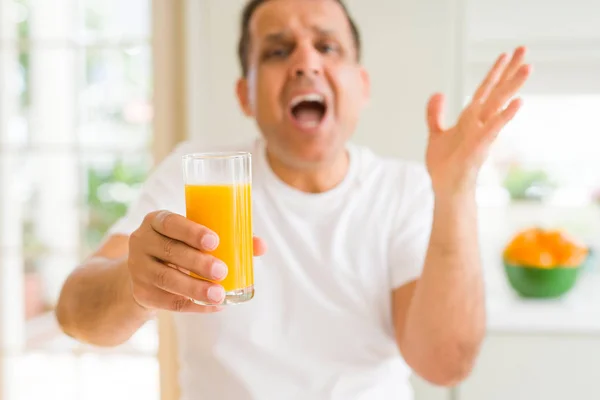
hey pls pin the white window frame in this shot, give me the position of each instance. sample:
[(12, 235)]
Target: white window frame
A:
[(169, 127)]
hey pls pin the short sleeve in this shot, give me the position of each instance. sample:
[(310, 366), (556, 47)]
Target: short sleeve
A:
[(163, 190), (412, 228)]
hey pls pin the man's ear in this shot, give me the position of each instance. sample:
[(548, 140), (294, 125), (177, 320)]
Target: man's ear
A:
[(243, 95), (366, 82)]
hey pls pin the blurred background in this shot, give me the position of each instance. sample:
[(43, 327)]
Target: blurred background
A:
[(93, 93)]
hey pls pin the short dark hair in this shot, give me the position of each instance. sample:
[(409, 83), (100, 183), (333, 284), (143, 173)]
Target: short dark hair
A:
[(248, 12)]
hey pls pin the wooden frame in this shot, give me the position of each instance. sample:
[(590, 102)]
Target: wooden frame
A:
[(170, 96), (167, 358)]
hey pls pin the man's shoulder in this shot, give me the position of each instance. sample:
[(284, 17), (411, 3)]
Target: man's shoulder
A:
[(391, 170), (399, 187)]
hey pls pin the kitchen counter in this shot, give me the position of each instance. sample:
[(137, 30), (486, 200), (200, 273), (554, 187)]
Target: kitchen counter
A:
[(577, 312)]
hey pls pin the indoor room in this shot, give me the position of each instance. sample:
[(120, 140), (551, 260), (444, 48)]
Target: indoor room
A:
[(95, 95)]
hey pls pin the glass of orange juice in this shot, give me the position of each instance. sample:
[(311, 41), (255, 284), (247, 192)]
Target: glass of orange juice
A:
[(218, 195)]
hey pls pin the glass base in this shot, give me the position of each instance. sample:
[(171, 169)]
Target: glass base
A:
[(238, 296)]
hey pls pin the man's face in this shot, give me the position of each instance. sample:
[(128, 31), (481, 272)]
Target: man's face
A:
[(305, 87)]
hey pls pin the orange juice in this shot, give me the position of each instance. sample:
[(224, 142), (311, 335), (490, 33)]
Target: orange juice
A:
[(227, 211)]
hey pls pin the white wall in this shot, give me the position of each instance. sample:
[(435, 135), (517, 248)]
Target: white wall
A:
[(524, 367), (532, 20), (411, 47), (563, 38)]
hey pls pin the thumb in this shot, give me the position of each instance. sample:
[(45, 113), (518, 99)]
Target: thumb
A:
[(260, 247), (435, 113)]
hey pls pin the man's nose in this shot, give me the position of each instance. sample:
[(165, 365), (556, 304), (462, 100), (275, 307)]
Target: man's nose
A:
[(307, 63), (300, 72)]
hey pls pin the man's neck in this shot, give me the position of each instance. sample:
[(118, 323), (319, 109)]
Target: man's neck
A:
[(312, 180)]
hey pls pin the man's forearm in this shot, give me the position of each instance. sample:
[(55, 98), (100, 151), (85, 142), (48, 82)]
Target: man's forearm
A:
[(96, 305), (446, 318)]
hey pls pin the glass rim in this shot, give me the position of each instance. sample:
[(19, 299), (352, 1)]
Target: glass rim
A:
[(216, 155)]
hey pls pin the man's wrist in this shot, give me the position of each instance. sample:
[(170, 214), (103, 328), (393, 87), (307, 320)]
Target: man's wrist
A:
[(140, 312), (461, 198)]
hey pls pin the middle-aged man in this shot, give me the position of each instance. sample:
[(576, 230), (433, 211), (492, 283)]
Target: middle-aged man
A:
[(372, 268)]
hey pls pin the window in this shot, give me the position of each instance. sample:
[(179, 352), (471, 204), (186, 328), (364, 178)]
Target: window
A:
[(548, 153), (543, 169), (551, 149), (76, 124)]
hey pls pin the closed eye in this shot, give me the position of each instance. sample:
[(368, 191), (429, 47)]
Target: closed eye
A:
[(328, 47), (276, 53)]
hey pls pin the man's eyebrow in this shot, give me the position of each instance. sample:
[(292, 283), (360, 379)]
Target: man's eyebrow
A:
[(323, 31), (276, 37), (283, 36)]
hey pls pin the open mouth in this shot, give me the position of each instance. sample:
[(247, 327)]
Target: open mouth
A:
[(308, 110)]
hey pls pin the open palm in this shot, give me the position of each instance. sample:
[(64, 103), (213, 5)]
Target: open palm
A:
[(455, 155)]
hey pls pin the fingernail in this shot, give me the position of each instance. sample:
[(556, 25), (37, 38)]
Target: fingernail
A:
[(210, 242), (216, 293), (219, 270)]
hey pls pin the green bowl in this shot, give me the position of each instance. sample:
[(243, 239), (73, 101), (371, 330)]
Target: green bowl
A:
[(531, 282)]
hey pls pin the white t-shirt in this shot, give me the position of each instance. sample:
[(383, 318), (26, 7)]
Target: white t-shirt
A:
[(320, 325)]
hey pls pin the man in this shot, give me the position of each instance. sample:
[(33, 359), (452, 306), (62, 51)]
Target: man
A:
[(373, 267)]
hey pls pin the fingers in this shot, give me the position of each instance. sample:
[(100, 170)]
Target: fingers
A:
[(169, 264), (498, 122), (435, 113), (513, 78), (504, 93), (182, 229), (515, 63), (180, 254), (173, 302), (260, 247), (172, 281), (165, 288), (491, 79)]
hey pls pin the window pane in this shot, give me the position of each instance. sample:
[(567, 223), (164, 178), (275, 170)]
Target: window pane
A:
[(15, 98), (111, 182), (52, 22), (51, 96), (42, 198), (15, 78), (553, 142), (50, 209), (60, 22), (115, 100), (44, 274), (41, 222), (50, 224), (75, 99), (115, 19), (14, 20)]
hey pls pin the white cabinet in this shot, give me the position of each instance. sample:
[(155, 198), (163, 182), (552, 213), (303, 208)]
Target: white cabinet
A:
[(526, 367)]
